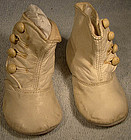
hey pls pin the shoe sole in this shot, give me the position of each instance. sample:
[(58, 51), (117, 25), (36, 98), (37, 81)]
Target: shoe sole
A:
[(37, 133), (111, 124)]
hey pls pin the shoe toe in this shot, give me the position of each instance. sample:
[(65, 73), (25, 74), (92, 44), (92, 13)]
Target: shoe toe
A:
[(110, 114), (104, 104), (32, 113)]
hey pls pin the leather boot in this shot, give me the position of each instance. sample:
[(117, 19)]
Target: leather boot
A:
[(30, 105), (92, 60)]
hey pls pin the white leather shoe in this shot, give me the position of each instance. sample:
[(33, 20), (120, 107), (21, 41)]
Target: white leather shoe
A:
[(30, 105), (92, 60)]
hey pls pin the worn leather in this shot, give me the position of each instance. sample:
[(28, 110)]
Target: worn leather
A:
[(98, 95), (30, 105)]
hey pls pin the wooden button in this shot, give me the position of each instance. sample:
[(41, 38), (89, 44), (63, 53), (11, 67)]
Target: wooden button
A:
[(111, 36), (20, 27), (13, 39), (11, 68), (115, 61), (105, 23), (115, 48), (11, 52)]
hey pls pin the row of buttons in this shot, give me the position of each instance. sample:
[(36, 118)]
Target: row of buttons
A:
[(111, 36), (20, 27)]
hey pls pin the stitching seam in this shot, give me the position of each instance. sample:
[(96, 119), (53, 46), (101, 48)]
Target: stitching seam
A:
[(94, 84), (38, 68)]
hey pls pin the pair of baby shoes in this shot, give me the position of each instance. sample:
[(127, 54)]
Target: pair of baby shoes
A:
[(30, 105)]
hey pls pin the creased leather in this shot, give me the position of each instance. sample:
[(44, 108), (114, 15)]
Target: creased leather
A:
[(30, 105), (98, 95)]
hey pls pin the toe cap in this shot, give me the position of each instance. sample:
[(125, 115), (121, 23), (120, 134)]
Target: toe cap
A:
[(31, 113)]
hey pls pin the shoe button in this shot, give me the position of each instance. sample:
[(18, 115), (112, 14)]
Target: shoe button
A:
[(11, 68), (20, 27), (11, 52), (111, 36), (13, 38), (115, 48), (115, 61), (105, 23)]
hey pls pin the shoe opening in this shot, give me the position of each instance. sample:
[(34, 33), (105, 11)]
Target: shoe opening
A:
[(36, 15), (93, 16)]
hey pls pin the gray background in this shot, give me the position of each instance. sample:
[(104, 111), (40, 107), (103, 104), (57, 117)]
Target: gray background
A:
[(73, 126)]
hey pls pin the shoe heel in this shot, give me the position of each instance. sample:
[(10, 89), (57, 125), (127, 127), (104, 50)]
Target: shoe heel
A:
[(69, 54)]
